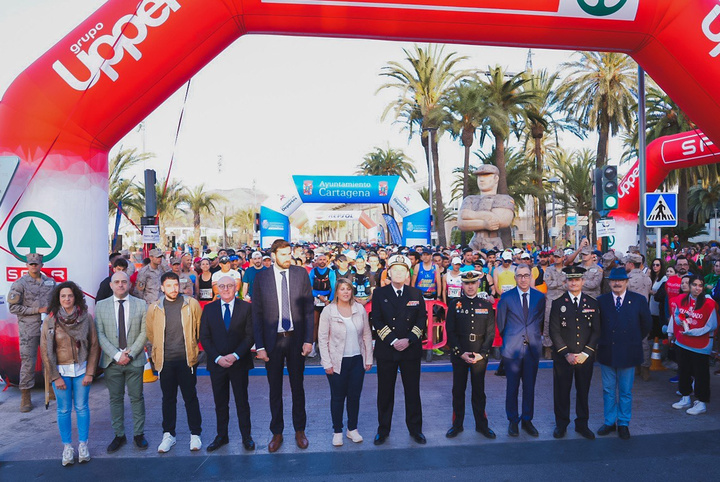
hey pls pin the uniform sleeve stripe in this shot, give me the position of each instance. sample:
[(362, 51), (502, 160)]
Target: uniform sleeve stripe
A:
[(417, 332), (589, 348)]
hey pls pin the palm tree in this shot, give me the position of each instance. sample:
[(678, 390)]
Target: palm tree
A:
[(599, 93), (244, 220), (466, 109), (387, 162), (120, 188), (170, 202), (200, 202), (575, 172), (704, 201), (422, 87)]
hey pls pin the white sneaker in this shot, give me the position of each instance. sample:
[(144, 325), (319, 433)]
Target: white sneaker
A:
[(684, 402), (83, 453), (195, 443), (167, 443), (337, 439), (697, 408), (354, 436), (68, 457)]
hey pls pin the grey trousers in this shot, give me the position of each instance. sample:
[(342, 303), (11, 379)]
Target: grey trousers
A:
[(117, 377)]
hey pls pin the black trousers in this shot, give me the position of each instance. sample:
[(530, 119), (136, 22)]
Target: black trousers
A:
[(346, 385), (286, 350), (222, 379), (563, 375), (176, 374), (693, 365), (387, 371), (477, 394)]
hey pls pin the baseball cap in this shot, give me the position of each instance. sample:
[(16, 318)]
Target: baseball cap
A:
[(456, 260)]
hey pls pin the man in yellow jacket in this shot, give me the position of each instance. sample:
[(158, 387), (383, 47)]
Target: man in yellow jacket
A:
[(173, 330)]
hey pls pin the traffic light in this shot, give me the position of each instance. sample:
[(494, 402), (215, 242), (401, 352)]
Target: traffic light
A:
[(256, 225), (605, 188)]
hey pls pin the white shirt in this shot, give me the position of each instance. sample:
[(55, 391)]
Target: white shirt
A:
[(352, 345), (521, 293), (573, 297), (278, 287), (622, 298), (126, 309)]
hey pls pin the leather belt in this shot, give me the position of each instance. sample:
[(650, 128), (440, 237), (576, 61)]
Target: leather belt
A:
[(286, 334)]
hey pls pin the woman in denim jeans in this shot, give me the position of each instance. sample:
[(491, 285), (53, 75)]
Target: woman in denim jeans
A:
[(70, 351)]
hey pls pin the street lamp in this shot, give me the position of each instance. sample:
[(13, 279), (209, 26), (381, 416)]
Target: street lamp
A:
[(553, 180)]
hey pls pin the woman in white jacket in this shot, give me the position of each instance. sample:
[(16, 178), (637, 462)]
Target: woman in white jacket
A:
[(345, 343)]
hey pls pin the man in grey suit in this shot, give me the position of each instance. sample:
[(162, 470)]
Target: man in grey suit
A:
[(120, 322)]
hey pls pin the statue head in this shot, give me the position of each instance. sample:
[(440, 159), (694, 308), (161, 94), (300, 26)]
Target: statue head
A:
[(488, 177)]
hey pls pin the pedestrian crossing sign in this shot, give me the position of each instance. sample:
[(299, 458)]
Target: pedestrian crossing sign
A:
[(660, 209)]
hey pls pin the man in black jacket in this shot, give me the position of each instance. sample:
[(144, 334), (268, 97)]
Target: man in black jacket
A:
[(399, 318), (226, 334), (470, 328)]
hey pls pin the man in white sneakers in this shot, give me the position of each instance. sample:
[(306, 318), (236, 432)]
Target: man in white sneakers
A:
[(173, 329)]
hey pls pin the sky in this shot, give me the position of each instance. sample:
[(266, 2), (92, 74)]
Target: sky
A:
[(270, 106)]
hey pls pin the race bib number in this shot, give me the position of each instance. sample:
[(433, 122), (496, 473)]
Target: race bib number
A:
[(206, 293)]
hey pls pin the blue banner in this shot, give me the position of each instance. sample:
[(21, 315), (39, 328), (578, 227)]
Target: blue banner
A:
[(345, 189), (394, 229), (273, 225), (416, 228), (117, 226)]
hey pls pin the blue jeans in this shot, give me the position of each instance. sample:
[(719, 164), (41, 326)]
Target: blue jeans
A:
[(617, 394), (346, 385), (75, 393)]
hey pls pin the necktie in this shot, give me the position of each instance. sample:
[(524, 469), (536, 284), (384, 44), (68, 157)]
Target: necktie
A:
[(122, 336), (576, 302), (618, 304), (399, 293), (285, 303), (526, 308), (227, 316)]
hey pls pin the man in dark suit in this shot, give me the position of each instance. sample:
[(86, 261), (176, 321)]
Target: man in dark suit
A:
[(624, 321), (399, 318), (520, 314), (226, 334), (283, 320), (574, 331)]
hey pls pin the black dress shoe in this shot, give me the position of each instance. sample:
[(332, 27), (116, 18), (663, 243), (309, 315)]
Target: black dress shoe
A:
[(380, 439), (623, 432), (219, 441), (513, 429), (487, 432), (140, 442), (585, 432), (419, 438), (500, 372), (559, 432), (453, 432), (529, 428), (116, 443), (606, 429), (249, 444)]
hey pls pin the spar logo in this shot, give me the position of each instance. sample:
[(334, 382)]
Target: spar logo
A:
[(108, 50), (601, 8), (34, 232), (707, 31)]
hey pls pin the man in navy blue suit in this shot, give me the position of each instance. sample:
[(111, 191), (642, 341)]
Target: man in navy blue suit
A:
[(283, 318), (625, 321), (520, 314)]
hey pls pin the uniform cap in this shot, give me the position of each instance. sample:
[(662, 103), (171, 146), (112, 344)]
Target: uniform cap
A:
[(608, 257), (34, 258), (470, 276), (155, 253), (634, 258), (400, 260), (586, 250), (574, 271), (175, 261), (486, 169)]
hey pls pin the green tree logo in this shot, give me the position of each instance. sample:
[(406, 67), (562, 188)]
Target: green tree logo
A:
[(600, 8), (32, 239)]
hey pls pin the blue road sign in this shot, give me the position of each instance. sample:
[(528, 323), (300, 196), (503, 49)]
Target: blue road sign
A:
[(660, 210)]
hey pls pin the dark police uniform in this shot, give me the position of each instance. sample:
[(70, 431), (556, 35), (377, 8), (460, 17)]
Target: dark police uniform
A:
[(394, 318), (470, 326), (573, 329)]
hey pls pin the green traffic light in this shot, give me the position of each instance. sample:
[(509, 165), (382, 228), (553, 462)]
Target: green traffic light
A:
[(611, 202)]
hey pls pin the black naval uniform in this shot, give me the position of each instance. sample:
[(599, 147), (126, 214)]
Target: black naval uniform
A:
[(470, 326), (395, 318), (573, 330)]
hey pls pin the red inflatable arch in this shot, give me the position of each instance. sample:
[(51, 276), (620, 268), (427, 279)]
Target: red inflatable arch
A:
[(64, 113)]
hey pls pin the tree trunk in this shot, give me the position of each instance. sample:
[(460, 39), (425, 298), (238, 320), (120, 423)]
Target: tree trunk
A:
[(196, 231), (682, 199), (439, 206), (540, 217), (505, 233), (467, 140)]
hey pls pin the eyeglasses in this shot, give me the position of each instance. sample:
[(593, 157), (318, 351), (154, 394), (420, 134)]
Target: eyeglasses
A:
[(225, 287), (522, 275), (656, 265)]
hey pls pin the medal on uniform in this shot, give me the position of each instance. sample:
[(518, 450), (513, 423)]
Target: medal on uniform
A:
[(563, 309)]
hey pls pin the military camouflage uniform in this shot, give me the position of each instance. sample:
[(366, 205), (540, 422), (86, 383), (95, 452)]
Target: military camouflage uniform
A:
[(592, 280), (640, 282), (556, 286), (187, 287), (27, 295), (147, 285)]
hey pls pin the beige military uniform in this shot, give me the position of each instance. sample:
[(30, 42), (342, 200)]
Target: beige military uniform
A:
[(147, 285), (27, 295), (592, 280), (187, 286), (480, 239), (556, 287)]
